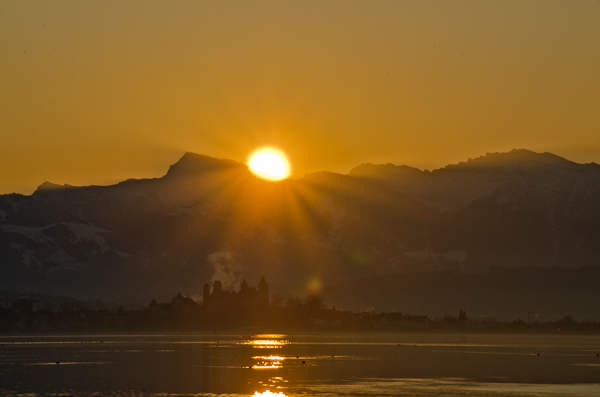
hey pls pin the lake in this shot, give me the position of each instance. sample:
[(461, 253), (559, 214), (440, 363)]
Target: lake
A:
[(382, 364)]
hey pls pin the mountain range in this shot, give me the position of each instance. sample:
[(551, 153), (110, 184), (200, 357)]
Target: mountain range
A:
[(210, 219)]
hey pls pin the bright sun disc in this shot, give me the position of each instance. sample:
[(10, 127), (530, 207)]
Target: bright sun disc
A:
[(270, 164)]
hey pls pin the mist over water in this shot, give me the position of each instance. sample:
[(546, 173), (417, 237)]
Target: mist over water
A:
[(295, 365)]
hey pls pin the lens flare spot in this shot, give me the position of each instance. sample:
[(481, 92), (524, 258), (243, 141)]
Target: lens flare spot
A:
[(270, 164), (314, 286)]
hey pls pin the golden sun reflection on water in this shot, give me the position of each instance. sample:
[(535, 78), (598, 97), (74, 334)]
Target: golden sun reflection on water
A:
[(267, 341), (278, 358), (268, 393), (273, 366), (268, 362), (269, 336)]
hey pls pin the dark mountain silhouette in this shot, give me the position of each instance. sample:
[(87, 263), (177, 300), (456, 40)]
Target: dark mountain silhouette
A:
[(506, 209), (209, 218)]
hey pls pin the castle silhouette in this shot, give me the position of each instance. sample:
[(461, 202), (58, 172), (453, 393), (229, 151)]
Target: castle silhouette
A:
[(247, 298)]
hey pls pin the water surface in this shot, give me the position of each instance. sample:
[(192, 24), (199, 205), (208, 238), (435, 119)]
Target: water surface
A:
[(295, 365)]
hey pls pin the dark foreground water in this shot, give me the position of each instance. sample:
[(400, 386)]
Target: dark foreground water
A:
[(294, 365)]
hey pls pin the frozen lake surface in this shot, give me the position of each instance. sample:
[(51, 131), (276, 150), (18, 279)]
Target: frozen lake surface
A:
[(386, 364)]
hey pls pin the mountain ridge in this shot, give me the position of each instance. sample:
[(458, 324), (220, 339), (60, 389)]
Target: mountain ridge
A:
[(208, 218), (194, 163)]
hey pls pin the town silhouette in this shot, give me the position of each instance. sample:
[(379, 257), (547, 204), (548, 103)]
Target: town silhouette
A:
[(254, 310)]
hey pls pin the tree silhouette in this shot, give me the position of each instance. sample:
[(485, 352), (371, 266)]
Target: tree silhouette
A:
[(277, 300), (314, 303), (293, 301)]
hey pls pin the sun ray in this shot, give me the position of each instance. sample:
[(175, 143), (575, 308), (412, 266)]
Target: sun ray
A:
[(289, 208)]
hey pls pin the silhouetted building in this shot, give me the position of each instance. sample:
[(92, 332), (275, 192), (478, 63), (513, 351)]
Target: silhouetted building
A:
[(183, 305), (23, 305), (246, 298), (263, 291), (179, 305), (153, 304), (23, 308)]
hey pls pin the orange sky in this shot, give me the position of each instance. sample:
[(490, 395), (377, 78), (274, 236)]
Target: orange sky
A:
[(97, 92)]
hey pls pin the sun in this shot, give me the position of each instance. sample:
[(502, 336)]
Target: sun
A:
[(269, 163)]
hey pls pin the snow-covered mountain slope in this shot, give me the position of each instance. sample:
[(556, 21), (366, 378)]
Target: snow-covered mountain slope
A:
[(207, 215)]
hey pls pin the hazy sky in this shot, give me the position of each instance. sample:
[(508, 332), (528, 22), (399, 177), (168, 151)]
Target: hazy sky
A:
[(94, 92)]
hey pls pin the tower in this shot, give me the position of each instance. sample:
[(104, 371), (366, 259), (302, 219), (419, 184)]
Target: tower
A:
[(206, 293), (263, 292), (217, 288)]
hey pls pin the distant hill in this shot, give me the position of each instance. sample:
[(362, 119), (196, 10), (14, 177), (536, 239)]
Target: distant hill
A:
[(212, 219)]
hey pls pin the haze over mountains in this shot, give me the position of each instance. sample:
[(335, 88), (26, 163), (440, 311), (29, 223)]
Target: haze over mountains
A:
[(328, 233)]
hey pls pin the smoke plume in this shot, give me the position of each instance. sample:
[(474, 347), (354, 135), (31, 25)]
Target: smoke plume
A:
[(226, 268)]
